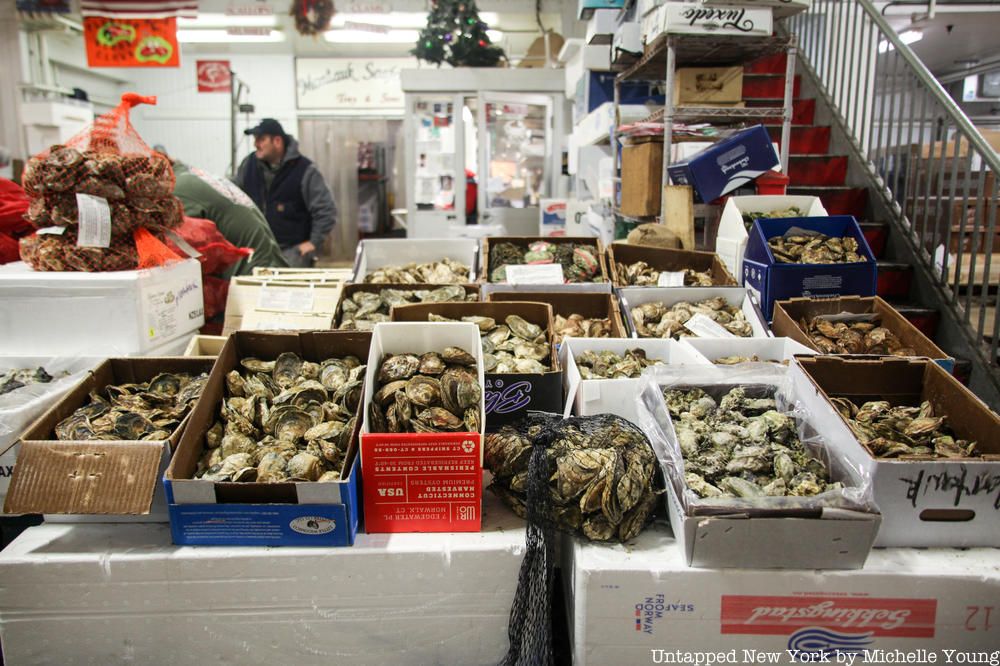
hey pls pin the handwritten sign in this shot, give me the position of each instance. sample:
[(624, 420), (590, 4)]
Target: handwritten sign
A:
[(351, 84)]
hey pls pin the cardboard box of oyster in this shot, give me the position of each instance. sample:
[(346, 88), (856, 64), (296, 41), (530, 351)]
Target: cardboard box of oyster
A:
[(853, 325), (264, 303), (521, 369), (416, 261), (644, 266), (422, 433), (929, 445), (270, 455), (101, 461), (364, 305), (528, 266), (574, 314), (677, 312)]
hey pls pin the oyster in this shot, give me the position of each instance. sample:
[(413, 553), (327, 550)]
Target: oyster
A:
[(609, 365), (578, 326), (363, 309), (862, 335), (641, 274), (792, 211), (515, 346), (446, 271), (11, 380), (798, 246), (579, 261), (657, 320)]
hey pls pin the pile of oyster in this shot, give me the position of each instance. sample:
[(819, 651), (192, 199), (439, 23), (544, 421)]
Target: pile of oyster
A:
[(284, 420), (578, 326), (854, 337), (803, 247), (641, 274), (427, 393), (578, 260), (446, 271), (895, 432), (749, 218), (516, 345), (363, 309), (145, 411), (657, 320), (742, 447), (11, 380), (753, 358), (600, 473), (609, 365)]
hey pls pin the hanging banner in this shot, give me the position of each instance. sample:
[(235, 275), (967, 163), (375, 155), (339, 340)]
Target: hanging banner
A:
[(123, 42), (370, 85), (213, 76)]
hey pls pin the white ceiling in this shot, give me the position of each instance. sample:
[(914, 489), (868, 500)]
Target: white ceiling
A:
[(952, 35)]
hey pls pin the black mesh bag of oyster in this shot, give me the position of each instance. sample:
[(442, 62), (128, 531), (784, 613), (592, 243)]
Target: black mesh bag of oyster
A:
[(594, 475)]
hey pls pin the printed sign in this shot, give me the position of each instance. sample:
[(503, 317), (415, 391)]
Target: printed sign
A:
[(351, 84), (670, 279), (535, 274), (122, 42), (213, 76), (690, 18)]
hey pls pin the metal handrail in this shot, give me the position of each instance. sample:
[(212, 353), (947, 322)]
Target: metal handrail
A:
[(927, 164)]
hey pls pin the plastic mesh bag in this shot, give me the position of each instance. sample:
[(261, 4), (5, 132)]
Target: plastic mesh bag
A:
[(217, 253), (52, 252)]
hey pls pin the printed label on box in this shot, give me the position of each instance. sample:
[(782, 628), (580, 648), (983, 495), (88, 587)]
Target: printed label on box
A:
[(94, 216), (703, 326), (534, 274), (285, 299), (161, 313), (670, 279)]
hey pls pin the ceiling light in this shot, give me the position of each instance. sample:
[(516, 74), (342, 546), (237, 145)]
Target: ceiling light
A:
[(907, 37), (223, 36), (366, 37), (397, 19), (226, 20)]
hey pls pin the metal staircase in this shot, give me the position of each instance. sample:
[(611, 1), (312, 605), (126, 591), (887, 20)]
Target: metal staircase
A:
[(928, 171)]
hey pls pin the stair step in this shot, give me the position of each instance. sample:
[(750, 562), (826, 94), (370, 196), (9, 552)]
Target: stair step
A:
[(768, 86), (805, 140), (876, 233), (894, 279), (772, 64), (829, 170), (837, 200), (803, 110), (925, 319)]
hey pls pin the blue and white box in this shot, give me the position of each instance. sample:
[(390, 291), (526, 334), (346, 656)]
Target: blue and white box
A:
[(727, 164), (771, 281)]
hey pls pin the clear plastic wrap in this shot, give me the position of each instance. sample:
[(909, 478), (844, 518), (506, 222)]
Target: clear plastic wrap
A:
[(758, 380)]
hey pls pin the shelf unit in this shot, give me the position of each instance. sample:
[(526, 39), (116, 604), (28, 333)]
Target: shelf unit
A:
[(670, 51)]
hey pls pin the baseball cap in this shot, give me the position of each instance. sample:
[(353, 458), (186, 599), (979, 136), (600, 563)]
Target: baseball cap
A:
[(267, 126)]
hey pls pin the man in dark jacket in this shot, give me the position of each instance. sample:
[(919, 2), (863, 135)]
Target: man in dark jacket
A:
[(290, 191)]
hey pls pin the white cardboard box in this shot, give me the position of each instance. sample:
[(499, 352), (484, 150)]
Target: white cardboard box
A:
[(782, 8), (731, 242), (205, 345), (380, 252), (589, 58), (736, 296), (626, 40), (595, 127), (691, 18), (601, 26), (117, 313), (630, 604), (102, 594), (769, 349)]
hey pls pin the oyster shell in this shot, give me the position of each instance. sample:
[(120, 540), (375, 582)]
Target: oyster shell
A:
[(579, 261), (641, 274), (802, 247), (446, 271), (657, 320), (363, 309)]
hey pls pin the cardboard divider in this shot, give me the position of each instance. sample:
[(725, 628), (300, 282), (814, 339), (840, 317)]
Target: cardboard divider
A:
[(663, 259), (925, 501), (373, 253), (736, 296), (112, 478), (355, 287), (524, 241), (731, 242), (265, 303), (205, 345), (788, 314), (766, 349), (587, 305)]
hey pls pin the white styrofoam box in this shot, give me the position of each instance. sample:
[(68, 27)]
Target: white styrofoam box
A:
[(175, 347), (782, 8), (48, 123), (766, 349), (735, 296), (595, 127), (589, 58), (626, 40), (391, 598), (631, 603), (644, 7), (731, 242), (119, 313), (612, 396), (576, 217), (601, 26), (691, 18), (476, 230), (376, 253)]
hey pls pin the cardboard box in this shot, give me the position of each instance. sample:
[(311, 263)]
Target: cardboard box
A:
[(690, 18), (601, 284), (733, 232), (626, 43), (924, 501), (552, 214), (259, 320), (638, 602), (119, 313), (508, 396), (408, 598), (771, 281), (205, 345), (632, 297), (261, 303), (665, 259), (788, 314), (113, 480), (781, 8), (773, 533), (303, 274), (588, 58), (600, 26), (695, 86), (595, 89), (727, 164), (587, 305), (642, 173), (587, 8), (776, 350), (208, 513), (422, 482), (355, 287), (381, 252)]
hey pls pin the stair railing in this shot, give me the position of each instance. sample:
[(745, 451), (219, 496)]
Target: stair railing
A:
[(933, 170)]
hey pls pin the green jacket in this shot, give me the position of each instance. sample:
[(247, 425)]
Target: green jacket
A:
[(236, 216)]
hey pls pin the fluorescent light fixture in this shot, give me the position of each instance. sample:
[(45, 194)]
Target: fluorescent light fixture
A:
[(208, 20), (398, 19), (907, 36), (223, 37), (366, 37)]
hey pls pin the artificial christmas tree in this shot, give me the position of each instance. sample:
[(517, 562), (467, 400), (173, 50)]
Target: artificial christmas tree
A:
[(456, 35)]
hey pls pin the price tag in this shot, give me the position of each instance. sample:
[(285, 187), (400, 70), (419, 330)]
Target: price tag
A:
[(535, 274), (94, 216), (285, 299), (670, 279), (703, 326), (54, 231)]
